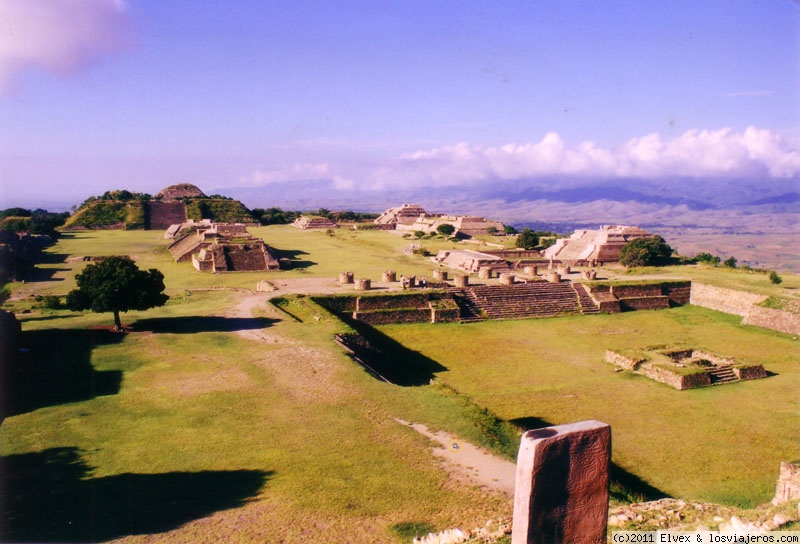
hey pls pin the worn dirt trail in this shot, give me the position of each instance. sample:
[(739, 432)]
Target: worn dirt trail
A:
[(465, 462)]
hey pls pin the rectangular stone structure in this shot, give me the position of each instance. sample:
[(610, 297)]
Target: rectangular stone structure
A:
[(562, 485)]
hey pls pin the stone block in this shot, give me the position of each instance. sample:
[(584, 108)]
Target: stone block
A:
[(554, 277), (363, 284), (485, 273), (440, 275), (460, 281), (562, 484), (345, 277), (531, 270), (507, 279), (389, 276)]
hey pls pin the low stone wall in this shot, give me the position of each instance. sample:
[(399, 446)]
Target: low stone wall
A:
[(712, 357), (398, 316), (679, 294), (724, 300), (387, 302), (777, 320), (621, 361), (446, 315), (676, 380), (644, 303), (752, 372), (636, 291), (787, 487)]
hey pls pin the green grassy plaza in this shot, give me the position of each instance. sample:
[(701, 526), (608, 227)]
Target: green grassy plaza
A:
[(261, 429)]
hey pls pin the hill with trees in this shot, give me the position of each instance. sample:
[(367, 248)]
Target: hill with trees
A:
[(123, 209)]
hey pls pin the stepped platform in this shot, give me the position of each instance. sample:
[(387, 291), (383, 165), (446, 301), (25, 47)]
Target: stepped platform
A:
[(161, 215), (524, 300)]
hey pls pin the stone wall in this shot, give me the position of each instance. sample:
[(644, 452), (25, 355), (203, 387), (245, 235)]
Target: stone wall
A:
[(386, 302), (644, 303), (676, 380), (750, 372), (636, 291), (724, 300), (398, 316), (788, 486), (777, 320), (619, 360)]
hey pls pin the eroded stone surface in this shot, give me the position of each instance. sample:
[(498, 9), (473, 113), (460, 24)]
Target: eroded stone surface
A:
[(562, 484)]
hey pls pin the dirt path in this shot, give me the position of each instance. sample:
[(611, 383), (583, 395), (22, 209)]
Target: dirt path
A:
[(465, 462), (469, 463)]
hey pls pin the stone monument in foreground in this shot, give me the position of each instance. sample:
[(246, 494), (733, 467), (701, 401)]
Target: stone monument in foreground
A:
[(562, 485)]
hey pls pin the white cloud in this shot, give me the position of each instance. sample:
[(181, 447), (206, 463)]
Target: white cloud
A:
[(696, 153), (61, 36)]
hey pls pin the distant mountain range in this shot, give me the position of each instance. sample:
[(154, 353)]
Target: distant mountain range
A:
[(689, 193)]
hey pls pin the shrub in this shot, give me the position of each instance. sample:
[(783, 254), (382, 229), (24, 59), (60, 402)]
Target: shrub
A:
[(419, 233), (707, 258), (445, 229), (730, 262), (651, 251), (527, 239), (774, 278), (508, 229)]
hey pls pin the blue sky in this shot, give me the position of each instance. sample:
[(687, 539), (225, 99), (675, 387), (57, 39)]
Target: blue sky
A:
[(104, 94)]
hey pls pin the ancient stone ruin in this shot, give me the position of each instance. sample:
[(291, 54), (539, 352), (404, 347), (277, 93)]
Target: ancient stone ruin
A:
[(224, 247), (595, 246), (787, 487), (306, 222), (685, 368), (562, 484), (413, 217), (467, 260)]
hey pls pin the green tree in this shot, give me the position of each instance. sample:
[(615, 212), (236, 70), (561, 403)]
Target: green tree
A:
[(707, 258), (527, 239), (651, 251), (116, 285), (508, 229), (445, 229), (774, 278), (730, 262)]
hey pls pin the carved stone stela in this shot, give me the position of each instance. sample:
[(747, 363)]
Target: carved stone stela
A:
[(562, 484)]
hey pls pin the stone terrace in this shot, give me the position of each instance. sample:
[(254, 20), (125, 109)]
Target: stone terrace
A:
[(161, 215), (525, 300)]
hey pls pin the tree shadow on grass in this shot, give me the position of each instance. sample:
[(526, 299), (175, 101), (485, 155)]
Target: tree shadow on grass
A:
[(194, 324), (54, 367), (392, 360), (49, 496), (625, 485)]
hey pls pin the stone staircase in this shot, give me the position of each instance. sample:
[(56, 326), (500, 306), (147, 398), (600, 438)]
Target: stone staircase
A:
[(526, 300), (721, 374), (588, 305)]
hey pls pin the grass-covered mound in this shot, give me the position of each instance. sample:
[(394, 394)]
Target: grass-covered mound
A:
[(218, 209), (132, 214), (108, 214)]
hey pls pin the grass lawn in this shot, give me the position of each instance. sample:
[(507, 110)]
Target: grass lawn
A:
[(189, 429), (182, 419), (720, 444)]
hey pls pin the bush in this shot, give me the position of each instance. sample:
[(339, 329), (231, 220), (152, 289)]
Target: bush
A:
[(653, 251), (707, 258), (445, 229), (730, 262), (774, 278), (508, 229), (527, 239)]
